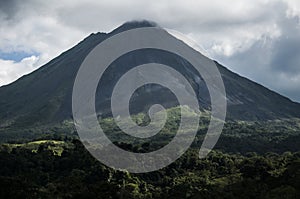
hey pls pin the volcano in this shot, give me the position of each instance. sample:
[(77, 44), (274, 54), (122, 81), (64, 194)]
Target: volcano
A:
[(45, 95)]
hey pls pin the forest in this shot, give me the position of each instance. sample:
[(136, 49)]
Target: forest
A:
[(250, 160), (64, 169)]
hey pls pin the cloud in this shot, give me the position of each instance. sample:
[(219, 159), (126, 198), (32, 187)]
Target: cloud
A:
[(11, 71), (274, 62), (8, 8), (293, 8), (258, 39)]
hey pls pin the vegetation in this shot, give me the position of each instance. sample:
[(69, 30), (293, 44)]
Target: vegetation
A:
[(74, 173), (250, 160), (237, 136)]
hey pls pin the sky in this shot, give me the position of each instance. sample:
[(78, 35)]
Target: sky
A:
[(258, 39)]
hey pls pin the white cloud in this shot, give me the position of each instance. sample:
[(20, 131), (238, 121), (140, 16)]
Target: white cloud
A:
[(293, 8), (11, 71)]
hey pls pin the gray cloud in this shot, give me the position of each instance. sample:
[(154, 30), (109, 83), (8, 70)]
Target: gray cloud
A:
[(286, 50), (274, 63), (8, 8)]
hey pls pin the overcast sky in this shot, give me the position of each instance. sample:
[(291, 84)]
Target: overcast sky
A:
[(259, 39)]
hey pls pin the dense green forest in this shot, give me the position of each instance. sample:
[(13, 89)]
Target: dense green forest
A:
[(250, 160), (64, 169)]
